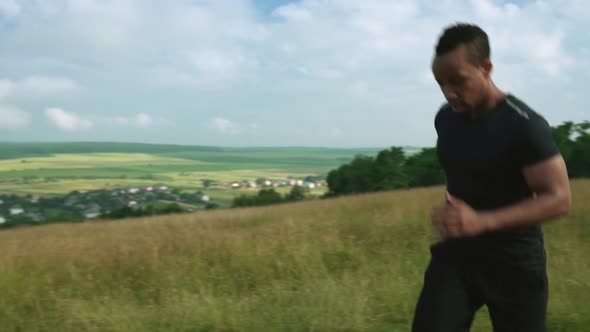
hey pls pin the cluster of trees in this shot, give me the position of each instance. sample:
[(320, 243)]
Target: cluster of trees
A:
[(574, 142), (270, 196), (150, 210), (392, 169)]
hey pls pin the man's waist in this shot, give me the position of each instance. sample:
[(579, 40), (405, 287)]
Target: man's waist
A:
[(490, 200), (515, 247)]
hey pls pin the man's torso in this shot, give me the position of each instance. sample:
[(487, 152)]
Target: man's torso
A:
[(483, 158)]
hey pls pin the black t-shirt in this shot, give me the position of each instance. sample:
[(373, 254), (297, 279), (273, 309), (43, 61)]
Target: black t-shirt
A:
[(483, 157)]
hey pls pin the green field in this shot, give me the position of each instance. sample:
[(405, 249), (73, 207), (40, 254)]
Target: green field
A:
[(346, 264), (56, 169), (38, 149)]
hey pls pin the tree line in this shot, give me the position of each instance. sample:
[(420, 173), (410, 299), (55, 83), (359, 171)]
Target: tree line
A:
[(270, 196), (573, 140), (392, 169)]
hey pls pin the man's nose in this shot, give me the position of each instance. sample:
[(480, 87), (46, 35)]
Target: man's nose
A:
[(449, 93)]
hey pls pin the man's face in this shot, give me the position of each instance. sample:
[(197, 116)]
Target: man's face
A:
[(462, 83)]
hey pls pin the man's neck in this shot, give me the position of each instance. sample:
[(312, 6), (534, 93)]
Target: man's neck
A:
[(494, 97)]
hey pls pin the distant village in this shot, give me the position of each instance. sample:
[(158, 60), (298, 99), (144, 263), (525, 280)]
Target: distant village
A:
[(308, 183), (77, 206)]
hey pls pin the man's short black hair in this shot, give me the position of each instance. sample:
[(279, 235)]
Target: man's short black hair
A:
[(470, 35)]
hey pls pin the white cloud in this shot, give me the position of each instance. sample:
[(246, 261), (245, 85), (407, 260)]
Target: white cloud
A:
[(105, 24), (335, 132), (288, 48), (360, 88), (140, 120), (216, 63), (204, 69), (143, 120), (67, 121), (120, 121), (35, 87), (167, 78), (293, 12), (9, 8), (46, 86), (6, 88), (320, 72), (13, 118), (327, 60), (366, 31), (549, 53), (225, 126)]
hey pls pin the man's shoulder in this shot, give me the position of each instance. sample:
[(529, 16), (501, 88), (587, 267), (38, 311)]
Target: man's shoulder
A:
[(445, 107), (442, 111), (520, 111), (533, 135)]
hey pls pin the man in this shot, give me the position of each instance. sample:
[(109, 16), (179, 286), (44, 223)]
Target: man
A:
[(505, 177)]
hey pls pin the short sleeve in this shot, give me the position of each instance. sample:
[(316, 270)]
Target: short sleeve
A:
[(535, 140)]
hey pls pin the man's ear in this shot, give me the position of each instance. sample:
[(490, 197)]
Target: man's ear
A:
[(487, 67)]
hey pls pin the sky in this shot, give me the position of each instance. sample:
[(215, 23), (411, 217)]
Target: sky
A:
[(330, 73)]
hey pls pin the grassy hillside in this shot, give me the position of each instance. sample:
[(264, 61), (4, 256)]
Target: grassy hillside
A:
[(347, 264)]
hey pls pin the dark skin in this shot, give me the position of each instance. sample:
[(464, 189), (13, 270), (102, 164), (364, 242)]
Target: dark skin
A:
[(468, 87)]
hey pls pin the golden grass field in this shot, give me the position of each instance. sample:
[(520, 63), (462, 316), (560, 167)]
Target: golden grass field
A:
[(347, 264)]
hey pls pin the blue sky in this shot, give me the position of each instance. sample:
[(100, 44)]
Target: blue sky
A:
[(267, 6), (342, 73)]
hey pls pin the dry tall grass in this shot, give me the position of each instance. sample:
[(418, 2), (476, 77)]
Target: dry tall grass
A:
[(346, 264)]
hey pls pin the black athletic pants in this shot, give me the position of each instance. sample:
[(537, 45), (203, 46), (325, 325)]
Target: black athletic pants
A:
[(455, 289)]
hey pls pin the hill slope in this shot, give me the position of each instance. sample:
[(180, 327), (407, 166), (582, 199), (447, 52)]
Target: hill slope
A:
[(347, 264)]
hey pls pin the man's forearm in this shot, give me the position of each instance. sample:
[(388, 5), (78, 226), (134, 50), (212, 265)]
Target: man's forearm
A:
[(530, 212)]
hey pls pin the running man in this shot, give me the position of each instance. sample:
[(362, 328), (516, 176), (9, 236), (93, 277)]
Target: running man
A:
[(505, 177)]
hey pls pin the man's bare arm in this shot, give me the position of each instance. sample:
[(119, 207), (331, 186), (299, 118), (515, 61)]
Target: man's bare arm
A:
[(549, 180)]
